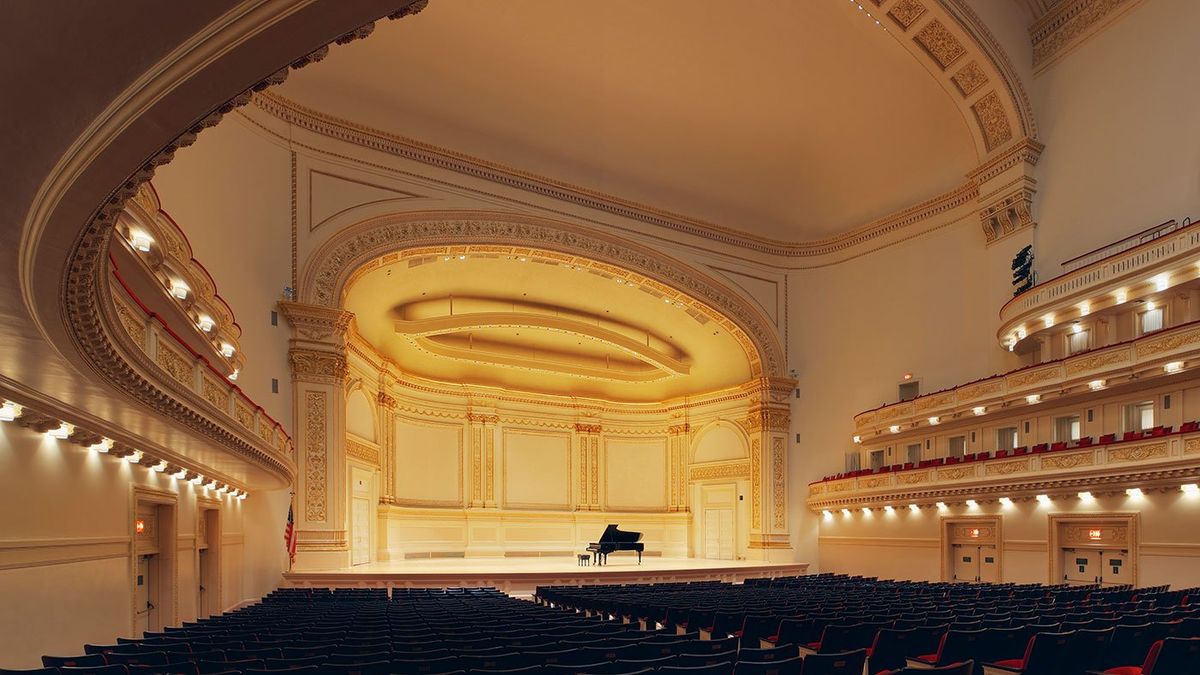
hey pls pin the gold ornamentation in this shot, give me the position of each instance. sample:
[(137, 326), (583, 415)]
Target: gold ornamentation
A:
[(906, 12), (243, 414), (933, 401), (873, 482), (215, 393), (969, 78), (587, 428), (1006, 468), (779, 482), (1069, 23), (993, 121), (1095, 361), (939, 43), (386, 402), (1069, 461), (1138, 453), (679, 429), (314, 456), (316, 322), (266, 432), (739, 469), (956, 473), (1167, 343), (1034, 376), (317, 366), (132, 325), (985, 388), (362, 451), (755, 483), (595, 471), (174, 363), (1012, 212), (480, 418), (913, 477), (583, 471), (1192, 446)]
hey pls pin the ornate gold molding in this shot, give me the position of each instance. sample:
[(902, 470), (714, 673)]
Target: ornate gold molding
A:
[(317, 366), (315, 460), (1069, 24), (738, 469)]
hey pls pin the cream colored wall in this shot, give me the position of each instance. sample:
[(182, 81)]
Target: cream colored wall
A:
[(65, 556), (1118, 116)]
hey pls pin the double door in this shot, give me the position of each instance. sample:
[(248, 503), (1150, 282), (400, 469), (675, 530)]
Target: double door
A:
[(975, 563), (1087, 566)]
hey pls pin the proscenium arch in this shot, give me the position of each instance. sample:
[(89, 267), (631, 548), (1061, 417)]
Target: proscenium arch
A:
[(329, 269)]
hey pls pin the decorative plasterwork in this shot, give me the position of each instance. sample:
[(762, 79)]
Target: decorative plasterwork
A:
[(993, 120), (1069, 24), (939, 42), (317, 366), (329, 270), (362, 451), (969, 78), (84, 302), (906, 12), (315, 460), (1143, 357)]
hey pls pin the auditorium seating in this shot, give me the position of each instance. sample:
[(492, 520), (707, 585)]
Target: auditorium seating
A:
[(816, 624)]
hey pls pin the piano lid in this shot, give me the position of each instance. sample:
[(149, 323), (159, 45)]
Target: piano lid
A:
[(614, 534)]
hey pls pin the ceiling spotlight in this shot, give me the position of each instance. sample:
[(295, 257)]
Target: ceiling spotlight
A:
[(140, 241), (1076, 327), (1173, 367), (1033, 398), (462, 257), (1048, 320), (180, 289), (858, 439), (866, 511), (1086, 497), (895, 428), (61, 432), (971, 503), (1096, 385), (889, 509), (1136, 493), (1085, 308), (197, 480), (914, 508), (178, 475), (1044, 499), (134, 457), (667, 300), (935, 420), (1120, 296), (211, 484), (827, 514), (104, 445), (846, 512), (941, 506), (205, 323), (1161, 282), (160, 467), (9, 411), (1006, 502), (1021, 333), (242, 496), (223, 489), (1150, 306), (979, 409), (1191, 489), (234, 375), (227, 350)]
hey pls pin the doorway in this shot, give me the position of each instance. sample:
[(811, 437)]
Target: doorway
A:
[(719, 521), (975, 563), (1085, 567), (971, 549), (361, 531), (154, 556), (208, 558), (1091, 549)]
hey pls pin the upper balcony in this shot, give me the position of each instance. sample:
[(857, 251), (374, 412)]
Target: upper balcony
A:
[(1104, 283)]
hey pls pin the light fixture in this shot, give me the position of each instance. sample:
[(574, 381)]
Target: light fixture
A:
[(907, 376), (205, 323), (462, 257), (140, 240), (1086, 497), (1006, 502), (1150, 306), (828, 515), (62, 432), (934, 421), (178, 475), (104, 445), (1021, 333), (234, 375), (241, 496), (1085, 308), (1096, 385), (446, 258), (1173, 367), (889, 509), (1033, 398), (858, 439), (1162, 281), (1120, 296), (941, 506), (846, 512), (1076, 328), (895, 428), (1136, 493), (866, 510), (1191, 489), (160, 467), (9, 411), (667, 300), (223, 489), (197, 480), (979, 409), (227, 350), (134, 457), (1048, 321), (914, 508), (180, 289), (971, 503)]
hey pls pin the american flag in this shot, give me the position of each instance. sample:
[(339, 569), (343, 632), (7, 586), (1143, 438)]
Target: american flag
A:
[(289, 536)]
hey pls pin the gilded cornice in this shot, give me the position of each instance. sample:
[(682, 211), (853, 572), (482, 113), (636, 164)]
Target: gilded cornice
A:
[(1069, 24)]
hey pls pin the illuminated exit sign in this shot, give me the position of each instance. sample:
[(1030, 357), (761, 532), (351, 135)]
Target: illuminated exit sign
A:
[(1095, 535)]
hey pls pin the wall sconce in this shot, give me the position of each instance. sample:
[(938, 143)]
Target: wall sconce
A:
[(227, 350), (205, 323), (934, 421), (140, 241), (62, 432), (9, 411), (1096, 385), (979, 410), (1033, 398), (1173, 367), (180, 289)]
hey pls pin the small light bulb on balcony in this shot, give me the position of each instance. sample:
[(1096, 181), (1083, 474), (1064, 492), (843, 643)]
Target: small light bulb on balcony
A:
[(205, 323), (979, 409), (197, 480), (1044, 500), (462, 257), (1033, 398), (1191, 489), (1076, 328), (1150, 306), (971, 503), (828, 515), (1136, 493), (134, 457), (889, 509), (62, 432), (1096, 385), (178, 475), (895, 428), (1162, 281), (180, 289), (1048, 321), (223, 489), (1173, 367), (1021, 333), (866, 510), (160, 467), (234, 375), (140, 241), (1120, 296), (1085, 308), (242, 497), (104, 445), (914, 508), (934, 421), (9, 411), (227, 350), (1086, 497), (858, 439)]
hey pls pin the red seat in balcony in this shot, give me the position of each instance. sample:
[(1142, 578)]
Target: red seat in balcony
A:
[(1020, 451), (1001, 454), (1189, 427), (1131, 435), (1085, 441), (1060, 445), (983, 456), (908, 465), (1041, 447), (1108, 438), (953, 460)]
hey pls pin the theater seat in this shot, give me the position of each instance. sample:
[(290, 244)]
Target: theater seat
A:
[(964, 668), (1147, 667)]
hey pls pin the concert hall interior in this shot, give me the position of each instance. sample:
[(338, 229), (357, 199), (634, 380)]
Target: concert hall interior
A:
[(763, 317)]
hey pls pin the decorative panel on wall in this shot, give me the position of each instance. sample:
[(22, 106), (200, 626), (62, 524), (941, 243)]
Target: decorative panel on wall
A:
[(719, 442), (537, 470), (429, 463), (635, 474)]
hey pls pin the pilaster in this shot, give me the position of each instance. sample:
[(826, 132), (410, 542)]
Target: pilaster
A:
[(387, 448), (679, 439), (482, 432), (588, 443), (767, 422)]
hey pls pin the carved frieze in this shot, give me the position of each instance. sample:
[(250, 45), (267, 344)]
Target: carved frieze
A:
[(779, 482), (956, 473), (173, 363), (315, 460), (1167, 343), (1138, 453), (1025, 378), (940, 43), (318, 323), (587, 428), (1069, 460), (362, 451), (906, 12), (317, 366), (969, 78), (1192, 446), (986, 388), (1068, 23), (1006, 468), (739, 469), (993, 120), (756, 483), (1108, 358)]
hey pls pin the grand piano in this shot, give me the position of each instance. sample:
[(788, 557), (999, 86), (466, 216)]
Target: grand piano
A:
[(614, 539)]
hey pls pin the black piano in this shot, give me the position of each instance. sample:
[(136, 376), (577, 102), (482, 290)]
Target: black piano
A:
[(614, 539)]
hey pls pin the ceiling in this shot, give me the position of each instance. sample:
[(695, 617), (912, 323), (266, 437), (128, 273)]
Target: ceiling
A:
[(792, 121), (534, 324)]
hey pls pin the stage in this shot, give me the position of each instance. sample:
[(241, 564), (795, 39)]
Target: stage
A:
[(520, 576)]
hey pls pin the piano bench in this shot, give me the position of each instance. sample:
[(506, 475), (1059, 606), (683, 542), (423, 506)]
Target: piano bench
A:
[(585, 559)]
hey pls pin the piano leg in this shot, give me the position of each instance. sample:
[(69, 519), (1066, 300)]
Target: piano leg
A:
[(639, 557)]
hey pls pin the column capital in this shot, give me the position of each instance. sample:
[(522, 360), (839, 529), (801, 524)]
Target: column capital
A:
[(313, 365), (316, 323)]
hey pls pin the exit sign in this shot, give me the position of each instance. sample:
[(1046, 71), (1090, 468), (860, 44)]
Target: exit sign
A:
[(1095, 535)]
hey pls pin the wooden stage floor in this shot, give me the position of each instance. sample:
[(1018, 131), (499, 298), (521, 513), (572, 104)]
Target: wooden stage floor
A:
[(520, 576)]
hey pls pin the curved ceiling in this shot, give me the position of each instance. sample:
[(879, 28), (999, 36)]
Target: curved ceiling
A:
[(532, 323), (791, 121)]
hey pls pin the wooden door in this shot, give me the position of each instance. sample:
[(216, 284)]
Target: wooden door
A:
[(988, 569), (966, 563), (361, 532), (1114, 569), (1081, 566)]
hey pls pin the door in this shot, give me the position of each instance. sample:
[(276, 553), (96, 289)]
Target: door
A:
[(718, 534), (1115, 568), (1081, 566), (966, 563), (987, 564), (361, 525), (202, 585), (142, 605)]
